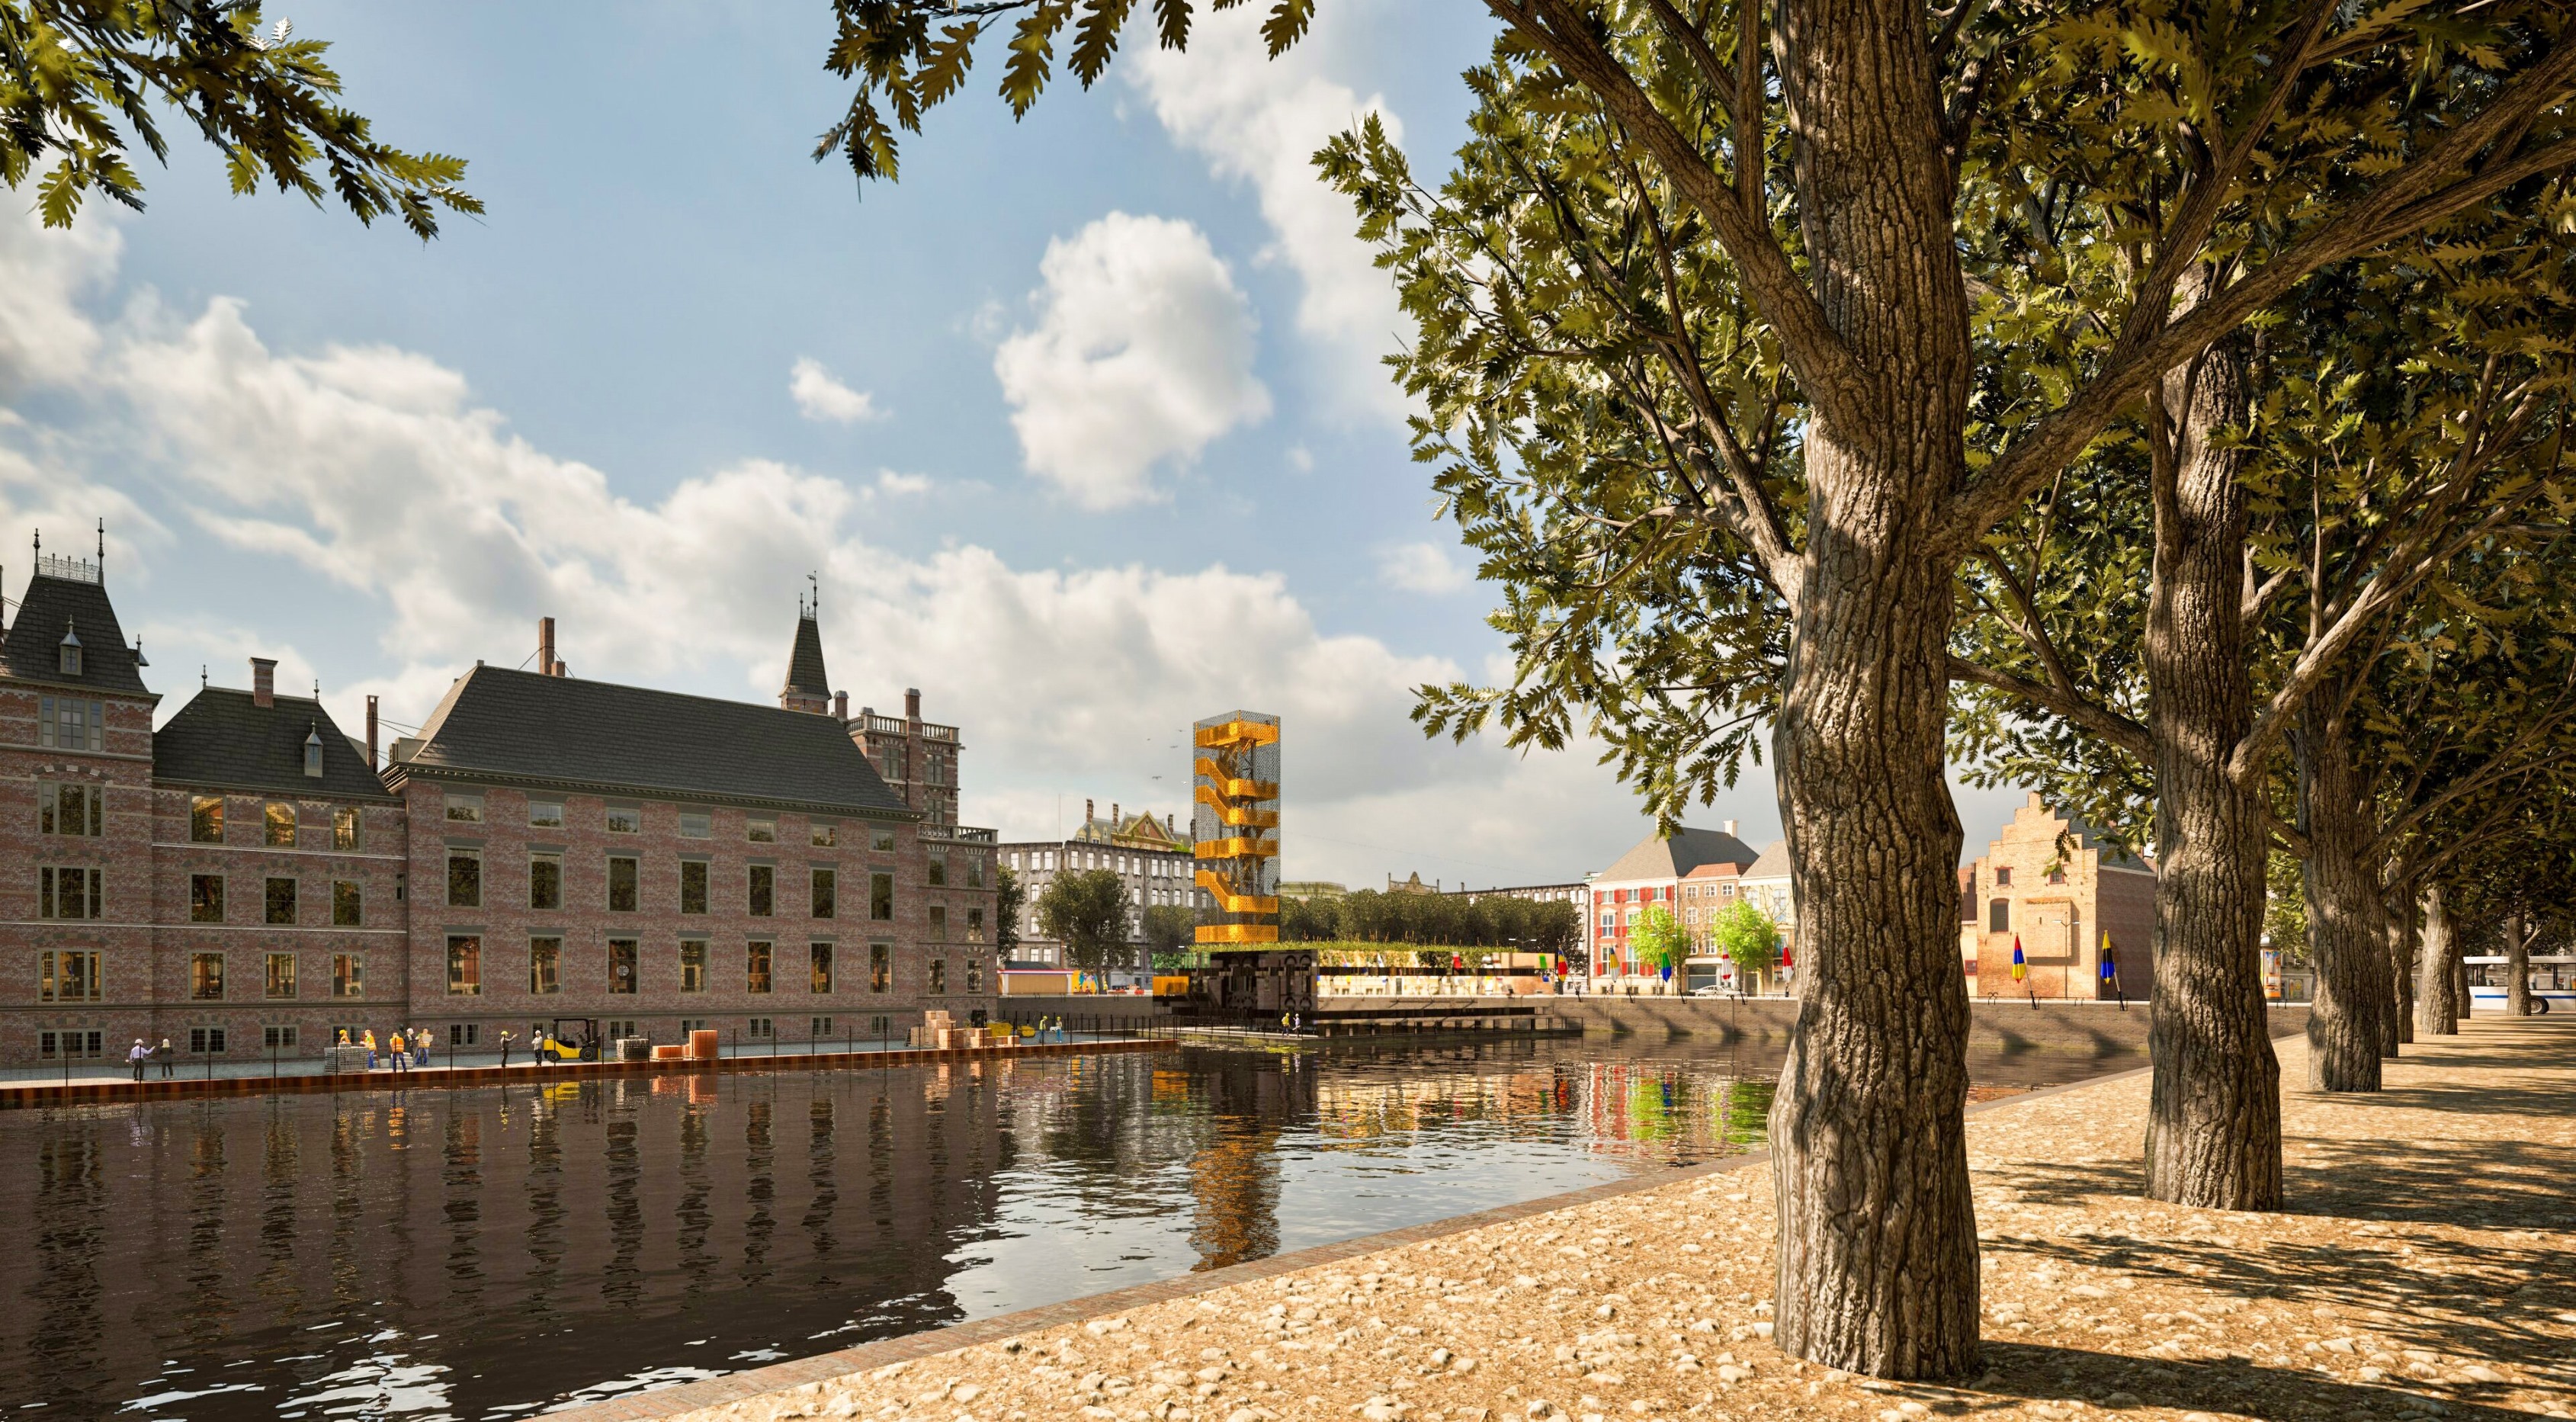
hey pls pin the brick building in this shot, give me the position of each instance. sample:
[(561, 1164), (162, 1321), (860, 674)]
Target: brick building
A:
[(2047, 881), (1690, 875), (247, 880)]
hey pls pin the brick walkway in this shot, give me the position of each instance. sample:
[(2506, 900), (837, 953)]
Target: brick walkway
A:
[(2424, 1271)]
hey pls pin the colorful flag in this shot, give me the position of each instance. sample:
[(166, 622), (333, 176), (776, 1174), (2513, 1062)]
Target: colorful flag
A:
[(2018, 971)]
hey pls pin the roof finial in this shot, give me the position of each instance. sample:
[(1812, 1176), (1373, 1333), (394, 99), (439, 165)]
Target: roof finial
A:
[(201, 676), (102, 545), (816, 581)]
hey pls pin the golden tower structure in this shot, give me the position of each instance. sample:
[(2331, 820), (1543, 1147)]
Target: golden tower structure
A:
[(1235, 821)]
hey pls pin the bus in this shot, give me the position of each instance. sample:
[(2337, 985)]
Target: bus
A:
[(2553, 983)]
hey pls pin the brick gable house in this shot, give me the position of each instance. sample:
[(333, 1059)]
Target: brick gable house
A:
[(2049, 881), (247, 880)]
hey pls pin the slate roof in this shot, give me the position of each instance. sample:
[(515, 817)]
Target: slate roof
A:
[(596, 734), (805, 664), (52, 606), (221, 739), (1655, 857), (1774, 863)]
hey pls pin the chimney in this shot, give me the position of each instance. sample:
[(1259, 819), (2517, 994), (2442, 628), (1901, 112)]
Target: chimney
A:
[(1730, 826), (263, 681), (371, 733), (1114, 821), (841, 706), (546, 663), (1086, 814), (912, 704)]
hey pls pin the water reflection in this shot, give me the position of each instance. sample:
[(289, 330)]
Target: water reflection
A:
[(491, 1253)]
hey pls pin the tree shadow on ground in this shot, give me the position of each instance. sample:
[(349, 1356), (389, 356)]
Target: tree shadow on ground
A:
[(2029, 1372), (2477, 1183)]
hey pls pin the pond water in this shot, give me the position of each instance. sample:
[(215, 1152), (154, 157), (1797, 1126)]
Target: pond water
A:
[(496, 1252)]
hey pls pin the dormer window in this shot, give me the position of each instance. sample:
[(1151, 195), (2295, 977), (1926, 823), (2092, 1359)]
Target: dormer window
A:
[(313, 752), (70, 651)]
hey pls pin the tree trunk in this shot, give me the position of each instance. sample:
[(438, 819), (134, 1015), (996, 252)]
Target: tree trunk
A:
[(1878, 1233), (2434, 1016), (2214, 1111), (2459, 981), (2347, 927), (2397, 977), (2517, 969)]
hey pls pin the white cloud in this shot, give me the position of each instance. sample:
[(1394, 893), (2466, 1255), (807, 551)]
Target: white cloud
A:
[(1260, 120), (1142, 354), (894, 484), (820, 395), (1422, 568), (44, 335)]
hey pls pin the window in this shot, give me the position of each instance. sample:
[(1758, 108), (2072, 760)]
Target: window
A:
[(344, 827), (693, 965), (545, 881), (822, 978), (756, 966), (881, 839), (939, 923), (77, 1043), (621, 965), (348, 904), (824, 884), (974, 925), (761, 1028), (975, 871), (825, 834), (2003, 876), (819, 1028), (68, 975), (974, 976), (696, 824), (348, 975), (693, 886), (760, 829), (206, 977), (281, 901), (545, 966), (617, 1030), (279, 979), (881, 897), (69, 892), (625, 819), (2057, 873), (278, 1037), (70, 809), (464, 877), (68, 723), (762, 888), (69, 650), (621, 884), (464, 1034), (313, 754), (545, 814), (465, 809), (938, 868), (692, 1024), (880, 967), (1999, 916), (205, 819), (464, 965), (938, 977), (207, 1040)]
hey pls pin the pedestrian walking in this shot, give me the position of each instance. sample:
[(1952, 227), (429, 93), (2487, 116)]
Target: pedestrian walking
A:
[(169, 1056), (419, 1047), (137, 1057), (367, 1039), (401, 1050)]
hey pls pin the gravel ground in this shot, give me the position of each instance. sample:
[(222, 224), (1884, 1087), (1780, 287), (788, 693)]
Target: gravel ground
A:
[(2426, 1272)]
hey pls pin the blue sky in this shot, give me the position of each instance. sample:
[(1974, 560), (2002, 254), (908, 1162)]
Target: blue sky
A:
[(1079, 424)]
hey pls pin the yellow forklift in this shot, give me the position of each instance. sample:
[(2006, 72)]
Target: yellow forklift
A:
[(584, 1047)]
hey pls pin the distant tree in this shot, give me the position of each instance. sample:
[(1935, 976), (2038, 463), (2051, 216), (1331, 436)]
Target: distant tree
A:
[(1660, 940), (1171, 936), (1087, 911), (77, 81), (1555, 927), (1009, 900), (1747, 937), (2285, 911)]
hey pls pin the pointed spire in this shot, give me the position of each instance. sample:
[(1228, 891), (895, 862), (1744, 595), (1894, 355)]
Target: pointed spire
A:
[(808, 688)]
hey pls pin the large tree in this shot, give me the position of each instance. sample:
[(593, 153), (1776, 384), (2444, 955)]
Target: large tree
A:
[(1696, 333), (1088, 911), (80, 82)]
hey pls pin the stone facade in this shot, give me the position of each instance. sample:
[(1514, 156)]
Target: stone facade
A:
[(247, 881), (1153, 857), (2047, 881)]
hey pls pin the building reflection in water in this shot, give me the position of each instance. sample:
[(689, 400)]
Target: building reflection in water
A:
[(481, 1254)]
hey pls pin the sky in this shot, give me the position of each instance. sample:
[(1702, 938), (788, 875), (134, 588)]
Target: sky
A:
[(1081, 428)]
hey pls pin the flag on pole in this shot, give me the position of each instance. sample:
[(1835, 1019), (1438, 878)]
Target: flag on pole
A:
[(2018, 970)]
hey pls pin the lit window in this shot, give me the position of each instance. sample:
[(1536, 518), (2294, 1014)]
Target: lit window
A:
[(206, 976), (625, 819), (205, 819), (821, 980), (756, 966), (880, 967), (281, 825), (344, 827), (279, 979), (825, 834), (464, 965), (545, 966), (760, 829), (348, 975), (68, 976), (693, 966)]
